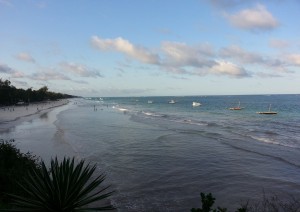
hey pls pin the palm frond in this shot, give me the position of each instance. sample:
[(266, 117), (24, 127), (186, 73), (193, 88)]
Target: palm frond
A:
[(65, 187)]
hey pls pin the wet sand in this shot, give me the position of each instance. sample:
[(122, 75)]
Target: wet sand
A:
[(12, 115)]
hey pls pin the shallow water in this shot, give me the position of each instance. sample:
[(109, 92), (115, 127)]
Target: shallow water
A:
[(160, 156)]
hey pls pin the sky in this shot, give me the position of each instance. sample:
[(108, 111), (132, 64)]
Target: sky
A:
[(101, 48)]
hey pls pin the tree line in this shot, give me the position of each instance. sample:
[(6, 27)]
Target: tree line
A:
[(10, 95)]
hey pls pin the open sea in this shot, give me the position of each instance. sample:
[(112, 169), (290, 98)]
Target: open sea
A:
[(160, 156)]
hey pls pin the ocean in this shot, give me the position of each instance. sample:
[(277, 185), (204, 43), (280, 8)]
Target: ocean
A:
[(159, 156)]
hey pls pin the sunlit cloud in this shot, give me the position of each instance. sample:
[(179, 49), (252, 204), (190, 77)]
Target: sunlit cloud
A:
[(229, 69), (23, 56), (255, 19), (121, 45), (80, 69), (293, 59)]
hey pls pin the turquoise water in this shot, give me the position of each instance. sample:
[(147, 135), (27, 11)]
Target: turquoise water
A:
[(160, 156)]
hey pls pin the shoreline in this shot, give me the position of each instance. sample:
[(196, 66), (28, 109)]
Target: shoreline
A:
[(13, 115)]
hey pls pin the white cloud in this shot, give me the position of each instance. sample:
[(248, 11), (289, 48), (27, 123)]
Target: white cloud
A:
[(25, 57), (121, 45), (180, 54), (230, 69), (257, 19), (176, 58), (80, 69)]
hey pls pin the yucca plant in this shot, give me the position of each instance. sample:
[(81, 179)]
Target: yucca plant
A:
[(65, 187)]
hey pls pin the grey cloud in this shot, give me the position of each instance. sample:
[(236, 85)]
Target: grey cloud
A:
[(267, 75), (49, 75), (180, 54), (240, 54), (6, 69), (80, 69)]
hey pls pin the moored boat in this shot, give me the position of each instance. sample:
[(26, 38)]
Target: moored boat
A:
[(268, 112), (196, 104), (236, 108)]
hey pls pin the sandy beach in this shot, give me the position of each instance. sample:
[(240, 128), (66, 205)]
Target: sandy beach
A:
[(10, 114)]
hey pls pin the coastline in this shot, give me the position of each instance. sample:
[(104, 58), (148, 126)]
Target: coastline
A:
[(11, 116)]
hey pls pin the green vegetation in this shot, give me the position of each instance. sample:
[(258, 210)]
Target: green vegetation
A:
[(27, 185), (10, 95), (267, 204), (14, 165)]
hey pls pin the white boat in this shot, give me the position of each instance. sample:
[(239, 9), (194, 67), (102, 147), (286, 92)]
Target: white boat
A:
[(236, 108), (268, 112), (196, 104), (172, 102), (150, 101)]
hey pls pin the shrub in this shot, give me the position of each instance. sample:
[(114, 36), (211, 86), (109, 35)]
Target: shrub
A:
[(66, 187), (14, 165)]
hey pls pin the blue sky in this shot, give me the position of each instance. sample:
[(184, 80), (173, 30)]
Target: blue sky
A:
[(151, 47)]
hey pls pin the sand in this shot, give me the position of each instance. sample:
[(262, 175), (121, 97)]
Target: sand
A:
[(10, 114)]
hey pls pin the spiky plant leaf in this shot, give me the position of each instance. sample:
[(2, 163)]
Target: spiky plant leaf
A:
[(65, 187)]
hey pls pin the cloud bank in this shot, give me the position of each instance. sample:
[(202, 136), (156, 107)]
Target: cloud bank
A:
[(174, 57)]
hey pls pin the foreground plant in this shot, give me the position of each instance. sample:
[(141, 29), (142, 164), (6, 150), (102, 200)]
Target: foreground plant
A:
[(208, 201), (66, 187), (13, 166)]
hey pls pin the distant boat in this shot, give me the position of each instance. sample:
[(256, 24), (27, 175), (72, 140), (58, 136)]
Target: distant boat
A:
[(150, 101), (196, 104), (268, 112), (172, 102), (237, 108)]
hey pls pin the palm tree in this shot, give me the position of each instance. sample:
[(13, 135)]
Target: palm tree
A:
[(65, 187)]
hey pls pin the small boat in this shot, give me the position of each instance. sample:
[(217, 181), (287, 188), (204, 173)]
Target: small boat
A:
[(172, 102), (150, 101), (268, 112), (196, 104), (236, 108)]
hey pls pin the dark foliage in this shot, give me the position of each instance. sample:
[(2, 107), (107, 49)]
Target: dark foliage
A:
[(10, 95), (14, 165), (208, 201), (66, 187)]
